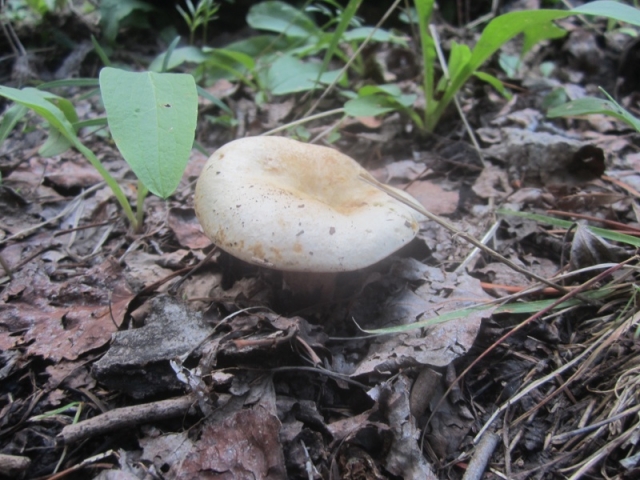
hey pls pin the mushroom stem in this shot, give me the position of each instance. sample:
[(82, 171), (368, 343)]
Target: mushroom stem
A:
[(312, 283)]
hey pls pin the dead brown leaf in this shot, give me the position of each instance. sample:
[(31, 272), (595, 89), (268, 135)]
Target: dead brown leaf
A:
[(433, 197)]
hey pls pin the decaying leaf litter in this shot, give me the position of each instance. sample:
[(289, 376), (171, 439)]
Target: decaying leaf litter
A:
[(154, 355)]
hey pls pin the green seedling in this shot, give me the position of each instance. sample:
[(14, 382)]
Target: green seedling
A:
[(463, 62), (278, 64), (115, 14), (198, 15), (152, 117), (592, 105), (556, 222)]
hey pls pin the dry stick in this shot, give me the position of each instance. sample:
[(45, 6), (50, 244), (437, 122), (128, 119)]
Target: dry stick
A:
[(13, 465), (495, 5), (353, 57), (622, 185), (481, 456), (603, 452), (304, 120), (572, 294), (487, 237), (563, 437), (528, 389), (609, 223), (126, 417), (577, 374), (87, 463), (465, 236), (174, 288)]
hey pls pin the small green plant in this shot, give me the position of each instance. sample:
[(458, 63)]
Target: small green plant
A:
[(592, 105), (115, 14), (152, 117), (198, 15), (277, 63), (463, 62)]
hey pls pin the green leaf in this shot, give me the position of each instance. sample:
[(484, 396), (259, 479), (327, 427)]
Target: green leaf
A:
[(389, 89), (379, 103), (503, 28), (32, 98), (100, 51), (498, 32), (167, 55), (591, 105), (70, 82), (282, 18), (260, 45), (11, 117), (458, 58), (369, 106), (179, 56), (511, 308), (614, 10), (229, 64), (442, 318), (495, 83), (152, 117), (56, 144), (215, 100), (94, 122), (361, 33), (345, 19), (556, 222), (509, 64), (289, 75), (62, 103), (112, 12), (546, 31)]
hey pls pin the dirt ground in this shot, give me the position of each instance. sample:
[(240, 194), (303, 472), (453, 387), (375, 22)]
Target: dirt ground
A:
[(155, 355)]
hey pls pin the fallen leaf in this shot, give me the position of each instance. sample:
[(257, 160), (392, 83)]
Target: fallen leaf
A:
[(185, 226), (433, 197)]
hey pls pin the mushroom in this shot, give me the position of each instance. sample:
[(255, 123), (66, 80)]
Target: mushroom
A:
[(299, 208)]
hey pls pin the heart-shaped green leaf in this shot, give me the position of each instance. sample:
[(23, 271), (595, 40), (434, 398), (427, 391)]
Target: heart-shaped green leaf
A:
[(152, 117)]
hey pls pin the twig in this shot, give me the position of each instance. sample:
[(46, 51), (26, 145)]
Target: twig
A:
[(86, 463), (613, 335), (174, 288), (495, 5), (304, 120), (320, 371), (488, 236), (622, 185), (126, 417), (609, 223), (603, 452), (13, 465), (441, 221), (529, 388), (481, 456), (532, 318), (563, 437)]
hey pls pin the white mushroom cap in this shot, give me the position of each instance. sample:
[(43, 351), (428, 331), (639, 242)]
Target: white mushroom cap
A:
[(284, 204)]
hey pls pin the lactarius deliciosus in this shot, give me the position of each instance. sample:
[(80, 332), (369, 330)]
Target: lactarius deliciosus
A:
[(296, 207)]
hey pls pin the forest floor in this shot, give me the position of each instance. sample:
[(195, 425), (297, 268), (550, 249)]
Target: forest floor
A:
[(154, 355)]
